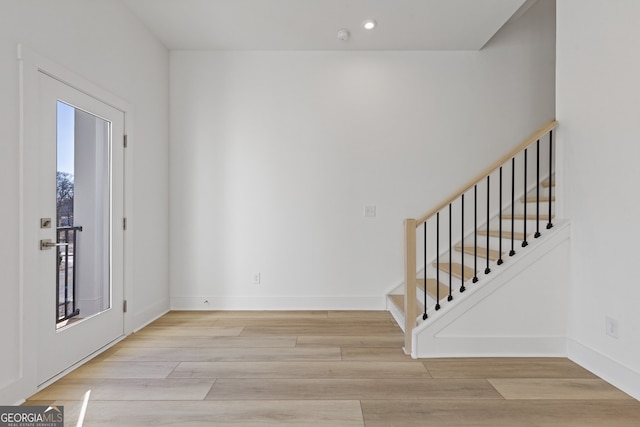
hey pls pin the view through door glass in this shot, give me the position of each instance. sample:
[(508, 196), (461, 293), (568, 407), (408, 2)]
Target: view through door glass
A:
[(83, 208)]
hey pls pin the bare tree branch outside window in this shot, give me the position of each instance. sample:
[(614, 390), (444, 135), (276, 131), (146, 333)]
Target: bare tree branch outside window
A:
[(64, 199)]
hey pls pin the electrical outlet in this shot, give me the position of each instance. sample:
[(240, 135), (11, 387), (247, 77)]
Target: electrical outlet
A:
[(612, 327), (255, 278), (369, 211)]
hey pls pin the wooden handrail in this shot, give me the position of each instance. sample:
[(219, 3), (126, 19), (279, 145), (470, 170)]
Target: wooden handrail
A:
[(543, 130)]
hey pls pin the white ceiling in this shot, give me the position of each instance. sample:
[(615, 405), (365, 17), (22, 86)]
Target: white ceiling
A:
[(313, 24)]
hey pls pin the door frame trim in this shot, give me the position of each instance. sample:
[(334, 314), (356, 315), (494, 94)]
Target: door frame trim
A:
[(30, 64)]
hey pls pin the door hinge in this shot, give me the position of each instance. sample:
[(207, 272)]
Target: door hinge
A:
[(125, 141), (124, 223), (124, 306)]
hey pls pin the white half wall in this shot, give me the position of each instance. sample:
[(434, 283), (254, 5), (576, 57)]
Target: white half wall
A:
[(519, 310), (102, 42), (598, 104), (274, 156)]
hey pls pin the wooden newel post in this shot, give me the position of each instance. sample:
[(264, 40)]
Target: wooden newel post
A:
[(410, 306)]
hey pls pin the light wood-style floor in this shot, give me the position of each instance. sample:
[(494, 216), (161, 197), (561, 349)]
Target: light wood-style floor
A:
[(321, 368)]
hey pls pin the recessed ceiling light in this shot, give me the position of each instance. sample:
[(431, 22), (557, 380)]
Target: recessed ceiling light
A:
[(369, 24)]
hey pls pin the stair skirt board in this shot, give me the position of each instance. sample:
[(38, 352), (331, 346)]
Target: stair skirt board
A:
[(475, 325)]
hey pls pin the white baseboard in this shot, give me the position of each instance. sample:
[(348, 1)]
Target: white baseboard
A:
[(606, 368), (278, 303), (497, 347), (140, 319)]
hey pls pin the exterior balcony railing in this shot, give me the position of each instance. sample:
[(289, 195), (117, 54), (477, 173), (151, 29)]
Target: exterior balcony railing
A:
[(66, 273)]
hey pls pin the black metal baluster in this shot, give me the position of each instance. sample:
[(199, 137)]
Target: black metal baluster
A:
[(462, 288), (424, 315), (488, 270), (76, 230), (58, 260), (537, 234), (512, 252), (74, 306), (450, 297), (500, 260), (66, 274), (475, 233), (524, 242), (549, 224), (438, 261)]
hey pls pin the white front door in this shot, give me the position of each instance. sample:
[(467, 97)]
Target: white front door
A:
[(80, 193)]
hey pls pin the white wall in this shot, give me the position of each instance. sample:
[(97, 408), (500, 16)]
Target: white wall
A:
[(274, 155), (101, 41), (598, 104)]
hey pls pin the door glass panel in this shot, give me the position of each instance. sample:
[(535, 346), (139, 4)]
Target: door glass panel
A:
[(83, 215)]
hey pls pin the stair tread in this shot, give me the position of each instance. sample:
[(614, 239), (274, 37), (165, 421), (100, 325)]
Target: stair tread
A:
[(432, 287), (531, 216), (533, 199), (456, 269), (547, 183), (398, 301), (505, 234), (482, 252)]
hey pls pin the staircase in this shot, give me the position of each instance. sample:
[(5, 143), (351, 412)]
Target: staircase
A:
[(468, 238)]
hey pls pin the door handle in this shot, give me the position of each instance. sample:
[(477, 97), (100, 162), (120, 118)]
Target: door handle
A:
[(48, 244)]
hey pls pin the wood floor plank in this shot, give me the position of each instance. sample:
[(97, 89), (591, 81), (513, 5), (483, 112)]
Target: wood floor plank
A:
[(186, 322), (145, 354), (290, 413), (504, 367), (501, 413), (348, 389), (211, 342), (193, 331), (297, 370), (311, 323), (127, 389), (556, 388), (266, 314), (394, 340), (337, 329), (370, 354), (105, 369), (30, 402), (110, 351), (355, 315)]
